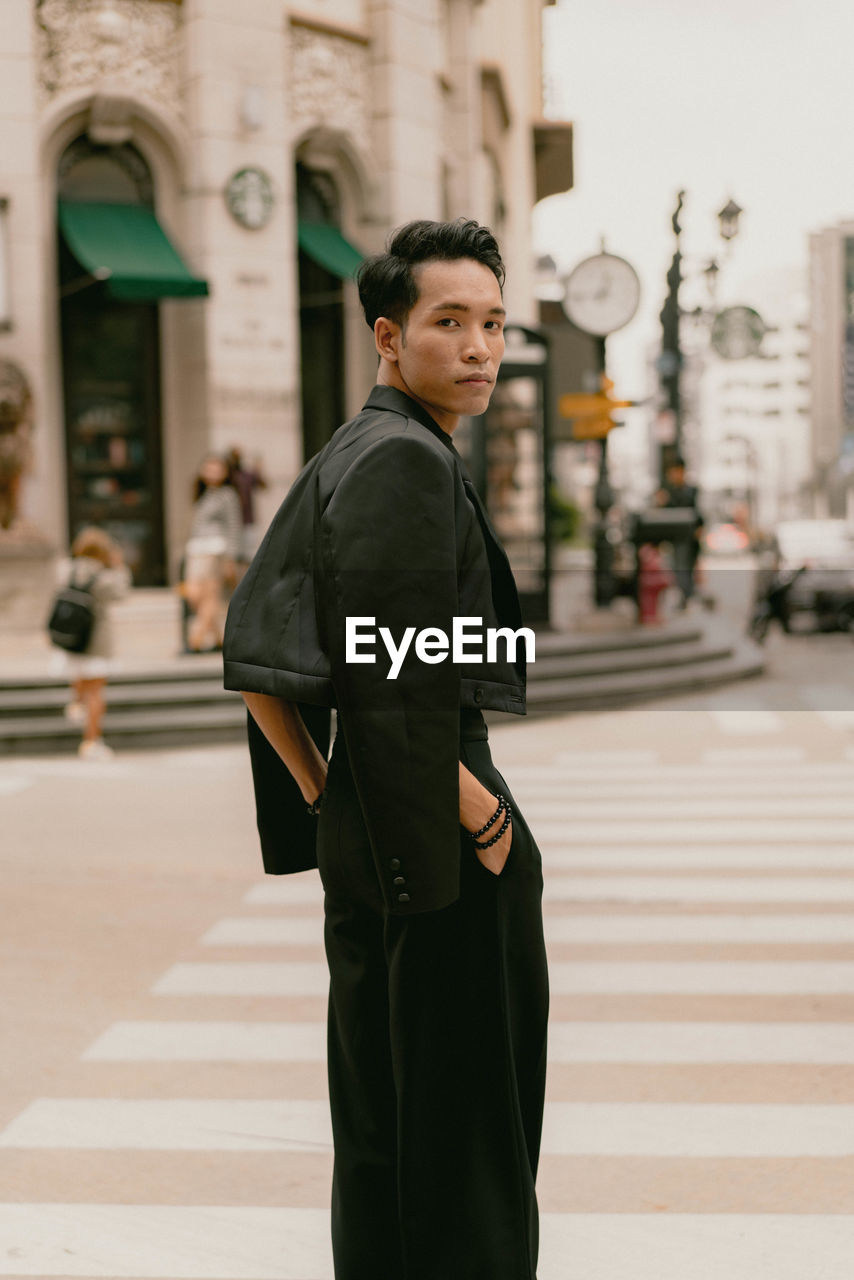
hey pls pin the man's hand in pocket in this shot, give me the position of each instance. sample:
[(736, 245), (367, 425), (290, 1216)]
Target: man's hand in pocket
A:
[(477, 805)]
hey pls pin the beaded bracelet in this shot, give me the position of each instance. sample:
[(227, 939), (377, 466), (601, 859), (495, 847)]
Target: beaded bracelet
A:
[(314, 807), (501, 803), (486, 844)]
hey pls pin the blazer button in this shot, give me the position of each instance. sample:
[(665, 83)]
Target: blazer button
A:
[(395, 864), (403, 897), (478, 696), (398, 881)]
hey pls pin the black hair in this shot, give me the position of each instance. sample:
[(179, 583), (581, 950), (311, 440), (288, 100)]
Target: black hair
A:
[(387, 286), (200, 484)]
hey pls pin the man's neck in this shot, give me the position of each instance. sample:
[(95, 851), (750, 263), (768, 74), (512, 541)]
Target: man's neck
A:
[(388, 375)]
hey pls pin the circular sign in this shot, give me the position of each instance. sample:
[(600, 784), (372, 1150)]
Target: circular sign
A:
[(737, 333), (250, 199), (602, 294)]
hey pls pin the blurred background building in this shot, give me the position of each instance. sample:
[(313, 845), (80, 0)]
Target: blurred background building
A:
[(185, 189), (755, 462), (832, 368)]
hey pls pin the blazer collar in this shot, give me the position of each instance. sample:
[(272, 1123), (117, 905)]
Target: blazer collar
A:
[(400, 402), (389, 398)]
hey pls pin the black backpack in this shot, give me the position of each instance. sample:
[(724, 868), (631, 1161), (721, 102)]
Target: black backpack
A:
[(72, 615)]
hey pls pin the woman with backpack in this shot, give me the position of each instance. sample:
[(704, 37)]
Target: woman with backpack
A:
[(97, 571)]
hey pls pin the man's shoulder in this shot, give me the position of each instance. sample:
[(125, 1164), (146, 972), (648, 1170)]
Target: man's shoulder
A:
[(390, 438)]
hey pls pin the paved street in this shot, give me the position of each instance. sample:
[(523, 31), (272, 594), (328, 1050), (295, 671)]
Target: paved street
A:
[(162, 1094)]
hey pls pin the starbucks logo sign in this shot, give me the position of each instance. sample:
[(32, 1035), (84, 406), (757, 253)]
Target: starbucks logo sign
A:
[(250, 199)]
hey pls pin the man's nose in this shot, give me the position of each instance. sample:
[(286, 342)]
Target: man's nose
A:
[(477, 349)]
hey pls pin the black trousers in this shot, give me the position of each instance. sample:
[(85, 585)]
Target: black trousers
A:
[(436, 1053)]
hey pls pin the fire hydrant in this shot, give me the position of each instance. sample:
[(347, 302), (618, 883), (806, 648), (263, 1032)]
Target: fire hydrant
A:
[(653, 578)]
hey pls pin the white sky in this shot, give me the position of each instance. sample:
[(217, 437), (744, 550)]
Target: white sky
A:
[(746, 98)]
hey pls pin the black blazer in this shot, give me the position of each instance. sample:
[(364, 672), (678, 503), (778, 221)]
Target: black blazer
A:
[(382, 523)]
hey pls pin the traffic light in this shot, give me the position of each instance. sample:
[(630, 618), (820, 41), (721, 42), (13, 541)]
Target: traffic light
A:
[(591, 413)]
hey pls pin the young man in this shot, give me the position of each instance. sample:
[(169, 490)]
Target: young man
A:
[(433, 884)]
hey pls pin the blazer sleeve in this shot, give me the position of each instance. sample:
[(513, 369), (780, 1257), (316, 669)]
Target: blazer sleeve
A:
[(388, 552)]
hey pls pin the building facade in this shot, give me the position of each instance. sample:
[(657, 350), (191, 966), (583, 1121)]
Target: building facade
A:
[(185, 189), (755, 415), (831, 289)]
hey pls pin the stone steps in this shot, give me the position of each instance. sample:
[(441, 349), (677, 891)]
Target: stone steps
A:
[(181, 701)]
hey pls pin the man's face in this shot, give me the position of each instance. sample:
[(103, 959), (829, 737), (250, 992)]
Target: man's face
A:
[(676, 476), (447, 354)]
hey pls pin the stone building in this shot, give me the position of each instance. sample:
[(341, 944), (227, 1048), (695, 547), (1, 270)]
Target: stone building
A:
[(755, 414), (831, 288), (185, 189)]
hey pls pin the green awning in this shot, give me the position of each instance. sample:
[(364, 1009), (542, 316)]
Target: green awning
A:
[(125, 245), (327, 247)]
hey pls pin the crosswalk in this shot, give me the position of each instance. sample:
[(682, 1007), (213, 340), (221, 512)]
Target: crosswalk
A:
[(700, 1116)]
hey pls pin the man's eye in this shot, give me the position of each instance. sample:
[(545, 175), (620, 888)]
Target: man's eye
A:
[(447, 321), (494, 324)]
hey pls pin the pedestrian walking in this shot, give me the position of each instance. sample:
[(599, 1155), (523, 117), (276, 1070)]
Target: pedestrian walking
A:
[(676, 492), (97, 569), (438, 995), (246, 481), (211, 553)]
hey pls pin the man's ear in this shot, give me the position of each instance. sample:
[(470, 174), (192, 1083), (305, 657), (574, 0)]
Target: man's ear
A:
[(388, 339)]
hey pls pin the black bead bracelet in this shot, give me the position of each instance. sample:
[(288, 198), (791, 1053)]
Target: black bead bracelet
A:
[(314, 807), (501, 803), (486, 844)]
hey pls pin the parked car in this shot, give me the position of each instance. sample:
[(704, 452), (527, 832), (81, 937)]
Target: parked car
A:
[(825, 548)]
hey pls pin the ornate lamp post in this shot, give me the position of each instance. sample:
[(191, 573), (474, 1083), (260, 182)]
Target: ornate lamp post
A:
[(670, 361), (602, 296)]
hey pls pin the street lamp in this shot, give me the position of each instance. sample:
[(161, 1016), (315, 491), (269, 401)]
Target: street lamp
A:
[(710, 271), (670, 361), (728, 220)]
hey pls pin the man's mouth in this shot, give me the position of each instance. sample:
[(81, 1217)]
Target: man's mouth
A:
[(478, 379)]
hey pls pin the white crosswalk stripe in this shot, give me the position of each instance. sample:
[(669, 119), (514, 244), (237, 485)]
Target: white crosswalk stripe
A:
[(838, 927), (592, 1129), (746, 929), (303, 889), (283, 978), (629, 888), (684, 786), (294, 931), (199, 1242), (714, 830), (244, 979), (176, 1041), (728, 1042), (164, 1242), (760, 758), (711, 857), (750, 720), (678, 806), (13, 784)]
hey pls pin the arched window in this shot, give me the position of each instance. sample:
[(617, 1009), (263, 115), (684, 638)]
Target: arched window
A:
[(111, 374), (321, 296), (114, 175)]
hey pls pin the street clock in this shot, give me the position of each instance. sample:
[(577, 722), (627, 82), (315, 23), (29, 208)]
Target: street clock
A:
[(602, 294)]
